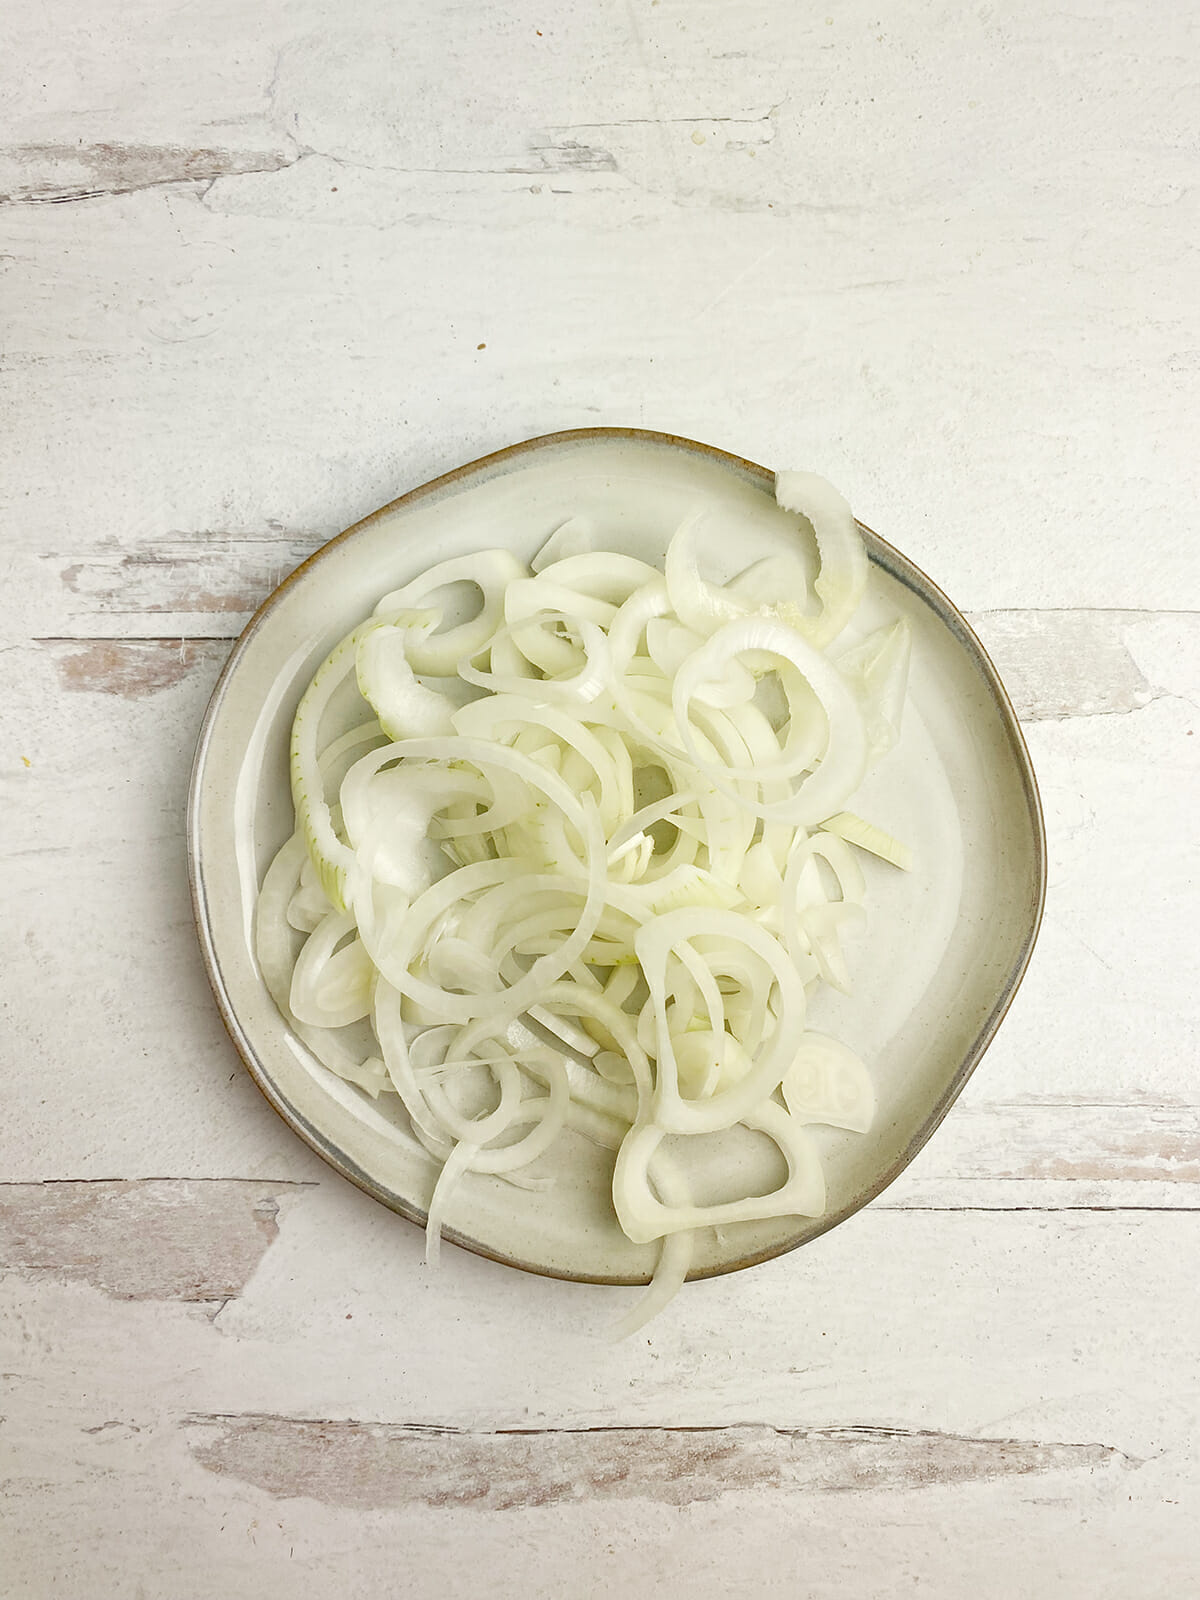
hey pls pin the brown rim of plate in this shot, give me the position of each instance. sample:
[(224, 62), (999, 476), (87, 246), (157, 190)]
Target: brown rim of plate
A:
[(899, 567)]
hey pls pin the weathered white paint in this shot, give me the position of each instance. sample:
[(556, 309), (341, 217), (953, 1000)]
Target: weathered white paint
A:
[(938, 1320), (928, 1372), (265, 267)]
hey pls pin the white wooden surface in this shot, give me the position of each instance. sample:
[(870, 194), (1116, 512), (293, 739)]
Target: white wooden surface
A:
[(262, 267)]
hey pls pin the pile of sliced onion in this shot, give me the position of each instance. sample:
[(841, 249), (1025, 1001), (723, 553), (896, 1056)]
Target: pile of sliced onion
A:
[(584, 858)]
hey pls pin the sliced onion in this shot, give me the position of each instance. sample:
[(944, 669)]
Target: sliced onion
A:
[(877, 670), (440, 653), (828, 1083), (843, 761), (406, 708), (699, 605), (868, 837), (644, 1217), (843, 575), (570, 538), (585, 864)]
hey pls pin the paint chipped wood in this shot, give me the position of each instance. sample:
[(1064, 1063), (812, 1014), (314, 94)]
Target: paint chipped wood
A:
[(218, 577), (131, 669), (144, 1239), (1058, 1155), (1067, 663), (54, 173), (948, 1378), (371, 1466)]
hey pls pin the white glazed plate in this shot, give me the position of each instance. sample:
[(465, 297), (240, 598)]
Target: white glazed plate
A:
[(945, 946)]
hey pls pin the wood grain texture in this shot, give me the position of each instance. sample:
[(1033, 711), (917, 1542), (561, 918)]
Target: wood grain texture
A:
[(302, 342), (204, 583), (906, 1390), (929, 1320), (54, 173), (142, 1239), (367, 1466), (1057, 1156), (1070, 663), (131, 669)]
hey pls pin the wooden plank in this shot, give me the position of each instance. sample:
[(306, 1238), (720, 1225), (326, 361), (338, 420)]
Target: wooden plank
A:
[(115, 78), (187, 1239), (1051, 1328), (1056, 1156), (1070, 1536), (820, 1359), (114, 303), (915, 1391), (1054, 664)]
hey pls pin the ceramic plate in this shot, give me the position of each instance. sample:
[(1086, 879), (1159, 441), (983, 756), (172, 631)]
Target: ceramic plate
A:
[(934, 972)]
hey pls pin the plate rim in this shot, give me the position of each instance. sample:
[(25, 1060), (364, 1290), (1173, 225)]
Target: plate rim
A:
[(899, 567)]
